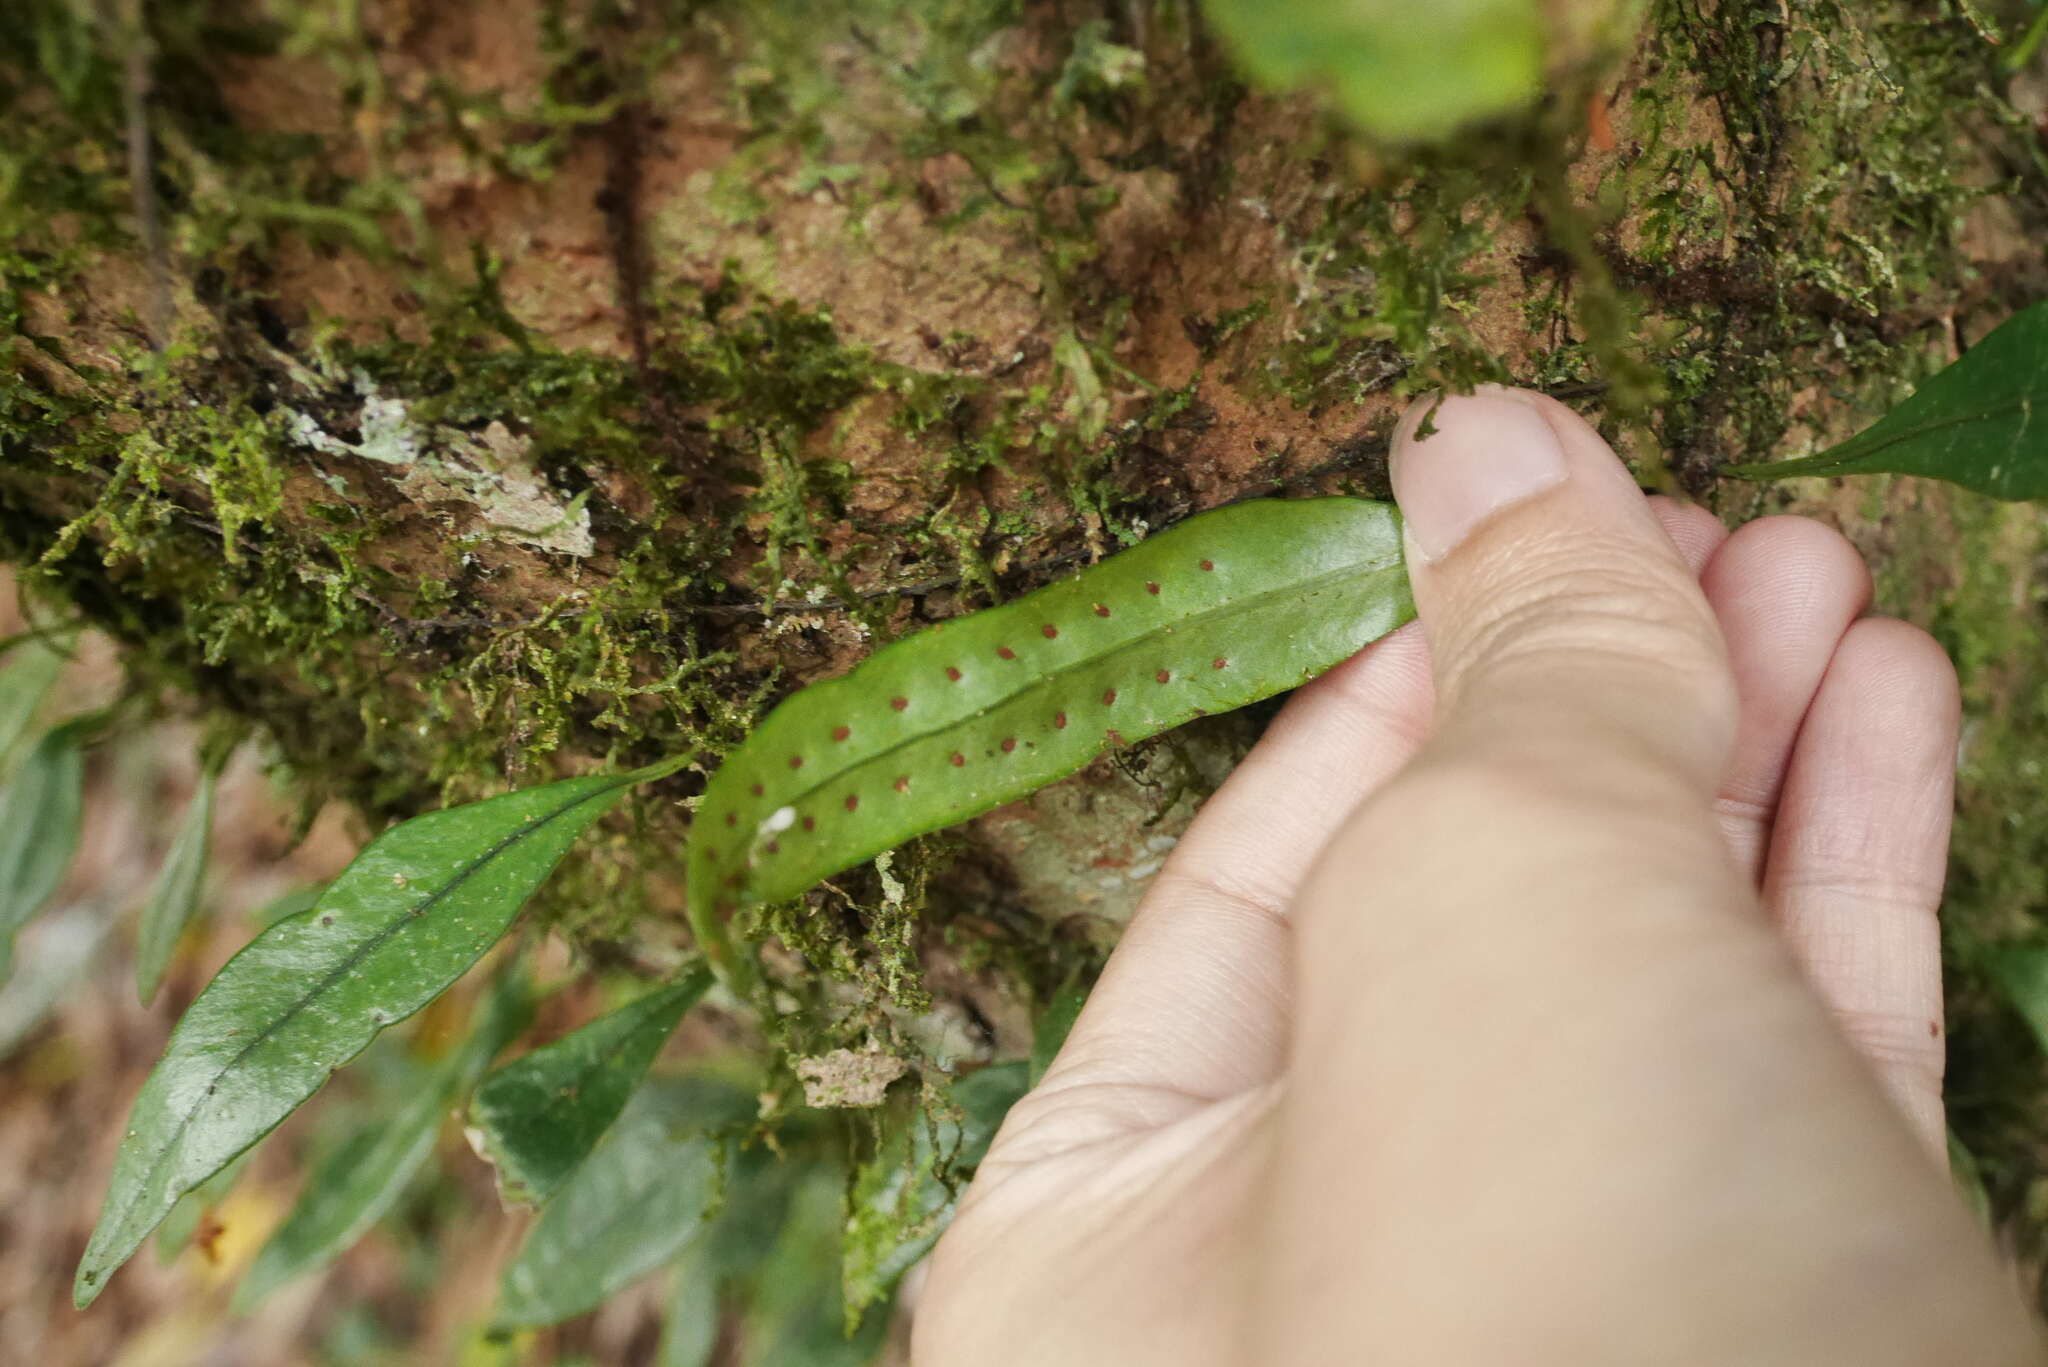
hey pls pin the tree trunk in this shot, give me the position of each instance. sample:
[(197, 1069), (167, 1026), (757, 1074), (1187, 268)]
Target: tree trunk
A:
[(460, 394)]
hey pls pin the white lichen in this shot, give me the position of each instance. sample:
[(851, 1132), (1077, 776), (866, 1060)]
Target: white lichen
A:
[(491, 473)]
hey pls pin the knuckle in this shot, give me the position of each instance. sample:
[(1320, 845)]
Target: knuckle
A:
[(1897, 1044), (1621, 603)]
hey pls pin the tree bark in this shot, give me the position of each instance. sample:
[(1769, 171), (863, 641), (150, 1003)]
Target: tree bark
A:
[(473, 392)]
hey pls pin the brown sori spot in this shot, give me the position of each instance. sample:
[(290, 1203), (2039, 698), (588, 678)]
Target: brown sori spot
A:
[(757, 790), (1048, 631), (902, 783), (732, 818), (1059, 721), (810, 823), (958, 759), (841, 732), (1114, 738), (710, 855), (1006, 652), (1009, 744), (1208, 564), (1102, 609), (773, 847), (1151, 588), (1220, 662), (1163, 676), (735, 879), (1109, 697), (796, 761), (852, 801), (899, 703), (952, 673)]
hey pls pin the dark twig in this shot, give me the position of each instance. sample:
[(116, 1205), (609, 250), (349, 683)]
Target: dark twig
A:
[(124, 23)]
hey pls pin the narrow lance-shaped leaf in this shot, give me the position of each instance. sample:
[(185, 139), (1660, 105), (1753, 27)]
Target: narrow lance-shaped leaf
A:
[(39, 816), (1227, 608), (55, 955), (537, 1117), (354, 1188), (414, 910), (689, 1321), (175, 897), (32, 665), (1981, 422), (639, 1199), (2022, 971)]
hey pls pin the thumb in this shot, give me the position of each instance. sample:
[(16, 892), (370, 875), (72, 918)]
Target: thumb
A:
[(1562, 621)]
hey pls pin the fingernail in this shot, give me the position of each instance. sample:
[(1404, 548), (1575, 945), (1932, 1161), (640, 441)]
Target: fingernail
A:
[(1486, 451)]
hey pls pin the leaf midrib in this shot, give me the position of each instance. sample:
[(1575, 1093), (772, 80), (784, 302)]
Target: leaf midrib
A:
[(398, 924), (1044, 680)]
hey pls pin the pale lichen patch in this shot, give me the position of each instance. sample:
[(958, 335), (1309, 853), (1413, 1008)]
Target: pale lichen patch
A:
[(491, 471)]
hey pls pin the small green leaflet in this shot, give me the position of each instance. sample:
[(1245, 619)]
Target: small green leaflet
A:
[(416, 908), (33, 664), (40, 810), (634, 1204), (1227, 608), (354, 1188), (537, 1117), (1055, 1021), (1981, 422), (1399, 70), (744, 1233), (903, 1197), (795, 1316), (179, 886), (56, 954), (2022, 970), (689, 1322)]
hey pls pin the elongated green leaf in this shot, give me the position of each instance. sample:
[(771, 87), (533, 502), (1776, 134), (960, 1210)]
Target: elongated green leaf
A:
[(175, 897), (1399, 70), (635, 1203), (39, 814), (32, 665), (1981, 423), (539, 1116), (418, 906), (364, 1178), (1227, 608), (903, 1198)]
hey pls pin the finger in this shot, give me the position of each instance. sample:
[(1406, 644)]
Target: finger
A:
[(1695, 532), (1192, 1004), (1784, 589), (1562, 619), (1855, 868)]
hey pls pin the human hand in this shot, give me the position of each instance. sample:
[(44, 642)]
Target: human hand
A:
[(1564, 989)]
